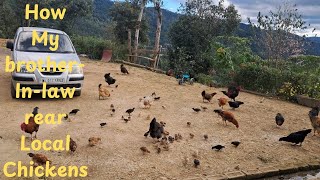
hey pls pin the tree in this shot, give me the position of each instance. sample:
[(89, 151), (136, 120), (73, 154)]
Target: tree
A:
[(75, 9), (200, 23), (138, 26), (275, 32), (124, 14), (157, 6)]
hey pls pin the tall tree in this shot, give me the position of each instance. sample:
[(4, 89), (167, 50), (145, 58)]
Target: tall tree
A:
[(201, 21), (275, 32), (157, 6), (138, 26)]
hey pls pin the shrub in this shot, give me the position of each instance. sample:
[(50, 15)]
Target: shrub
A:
[(204, 79), (91, 46)]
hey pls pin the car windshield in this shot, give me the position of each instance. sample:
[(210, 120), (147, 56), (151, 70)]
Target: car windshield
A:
[(25, 43)]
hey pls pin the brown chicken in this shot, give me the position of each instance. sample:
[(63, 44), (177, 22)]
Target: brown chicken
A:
[(207, 96), (315, 120), (222, 102), (144, 150), (103, 92), (73, 145), (31, 127), (93, 141), (227, 116), (39, 159)]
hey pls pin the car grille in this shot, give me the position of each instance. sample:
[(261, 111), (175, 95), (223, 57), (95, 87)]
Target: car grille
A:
[(51, 73)]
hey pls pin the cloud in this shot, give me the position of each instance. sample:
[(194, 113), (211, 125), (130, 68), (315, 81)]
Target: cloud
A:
[(250, 8)]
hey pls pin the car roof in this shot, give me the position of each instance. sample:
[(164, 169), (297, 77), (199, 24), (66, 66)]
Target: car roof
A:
[(38, 29)]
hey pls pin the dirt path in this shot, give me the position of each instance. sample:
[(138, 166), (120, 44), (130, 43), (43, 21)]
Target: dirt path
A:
[(119, 155)]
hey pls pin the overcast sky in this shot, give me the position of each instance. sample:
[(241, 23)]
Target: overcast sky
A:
[(310, 9)]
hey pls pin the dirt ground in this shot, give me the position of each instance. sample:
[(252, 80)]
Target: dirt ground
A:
[(119, 156)]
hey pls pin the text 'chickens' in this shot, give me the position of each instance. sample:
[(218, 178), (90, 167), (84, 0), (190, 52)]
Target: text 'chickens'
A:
[(13, 169)]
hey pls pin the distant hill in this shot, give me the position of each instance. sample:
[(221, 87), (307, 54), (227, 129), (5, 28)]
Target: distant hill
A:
[(101, 18), (314, 39), (168, 19), (96, 26)]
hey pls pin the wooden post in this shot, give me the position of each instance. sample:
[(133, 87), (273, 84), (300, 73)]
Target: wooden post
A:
[(129, 46)]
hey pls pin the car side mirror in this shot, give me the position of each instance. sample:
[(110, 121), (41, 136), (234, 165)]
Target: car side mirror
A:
[(10, 45)]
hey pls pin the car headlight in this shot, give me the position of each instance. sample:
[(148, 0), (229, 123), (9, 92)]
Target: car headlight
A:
[(77, 70), (23, 69)]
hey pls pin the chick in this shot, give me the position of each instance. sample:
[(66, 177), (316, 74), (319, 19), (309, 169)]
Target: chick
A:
[(191, 135), (158, 150), (204, 108), (178, 137), (235, 143), (195, 154), (166, 147), (111, 106), (145, 103), (144, 150), (171, 139), (72, 145), (127, 119), (93, 141), (205, 137), (188, 124), (129, 111), (196, 162), (39, 159), (103, 124)]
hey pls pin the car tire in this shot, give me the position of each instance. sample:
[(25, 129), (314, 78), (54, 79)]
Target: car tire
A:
[(13, 92), (77, 93)]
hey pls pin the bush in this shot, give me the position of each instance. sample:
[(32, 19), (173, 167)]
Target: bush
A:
[(204, 79), (91, 46), (286, 83)]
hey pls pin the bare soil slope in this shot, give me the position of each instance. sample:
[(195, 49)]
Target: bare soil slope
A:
[(119, 156)]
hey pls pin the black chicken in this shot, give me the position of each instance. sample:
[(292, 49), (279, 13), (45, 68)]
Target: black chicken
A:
[(123, 69), (109, 79), (129, 111), (233, 92), (235, 143), (196, 109), (235, 104), (279, 119), (218, 147), (296, 137), (74, 111), (155, 129)]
